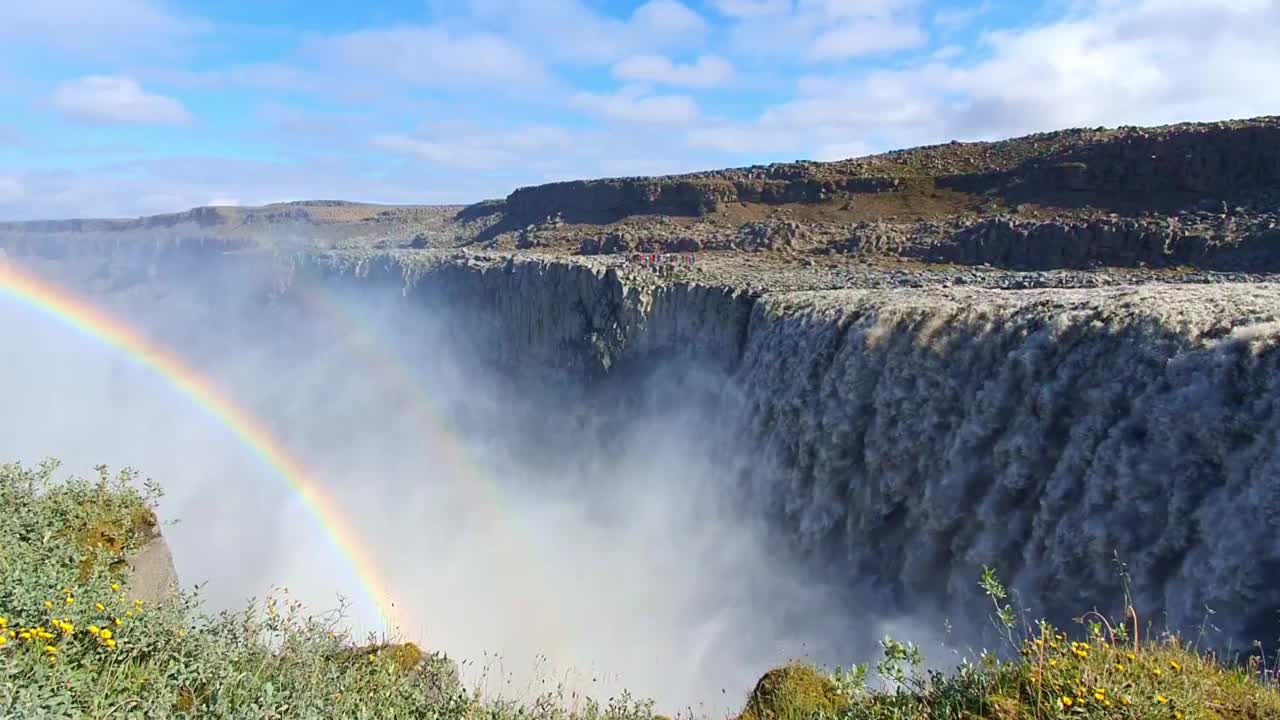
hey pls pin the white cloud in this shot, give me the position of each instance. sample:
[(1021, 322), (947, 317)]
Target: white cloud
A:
[(826, 30), (953, 18), (116, 99), (571, 31), (751, 8), (634, 105), (96, 28), (259, 76), (11, 190), (670, 17), (427, 56), (706, 71), (468, 147), (866, 37)]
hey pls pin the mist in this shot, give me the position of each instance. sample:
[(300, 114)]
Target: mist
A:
[(546, 531)]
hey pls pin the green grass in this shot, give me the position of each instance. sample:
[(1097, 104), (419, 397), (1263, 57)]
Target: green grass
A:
[(75, 643)]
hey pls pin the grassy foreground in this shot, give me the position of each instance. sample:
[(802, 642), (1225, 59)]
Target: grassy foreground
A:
[(75, 643)]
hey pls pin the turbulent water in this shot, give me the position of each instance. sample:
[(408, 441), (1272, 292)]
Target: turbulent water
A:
[(671, 488), (1044, 433)]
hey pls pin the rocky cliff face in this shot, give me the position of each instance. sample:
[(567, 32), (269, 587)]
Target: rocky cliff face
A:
[(922, 434), (1159, 167), (912, 435)]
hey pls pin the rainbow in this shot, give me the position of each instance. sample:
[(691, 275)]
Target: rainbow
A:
[(75, 312), (443, 441)]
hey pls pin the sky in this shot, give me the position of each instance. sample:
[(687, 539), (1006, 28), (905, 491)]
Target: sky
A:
[(121, 108)]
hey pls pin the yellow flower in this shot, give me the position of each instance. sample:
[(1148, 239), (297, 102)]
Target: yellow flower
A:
[(1174, 664), (48, 604), (4, 622), (1120, 667), (115, 587), (50, 649), (24, 635), (99, 607), (1162, 699), (128, 613), (1157, 672), (111, 644), (1131, 656), (182, 633), (94, 630), (1066, 701), (106, 634), (1053, 663), (137, 603), (371, 658), (70, 600), (1125, 700), (119, 622), (3, 640)]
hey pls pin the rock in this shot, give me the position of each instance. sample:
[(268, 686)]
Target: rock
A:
[(151, 576), (794, 692)]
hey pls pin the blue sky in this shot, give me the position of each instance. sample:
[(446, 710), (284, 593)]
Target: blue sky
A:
[(130, 107)]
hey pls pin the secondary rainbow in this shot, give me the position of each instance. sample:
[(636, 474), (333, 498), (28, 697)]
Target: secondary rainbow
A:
[(66, 307)]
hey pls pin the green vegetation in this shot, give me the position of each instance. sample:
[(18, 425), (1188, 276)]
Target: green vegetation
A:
[(75, 643)]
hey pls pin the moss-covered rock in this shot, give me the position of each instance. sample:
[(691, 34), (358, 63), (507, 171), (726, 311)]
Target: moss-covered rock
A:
[(797, 691)]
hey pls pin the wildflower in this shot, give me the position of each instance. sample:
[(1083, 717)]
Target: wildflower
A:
[(128, 613), (99, 607), (48, 604), (94, 630), (1066, 701), (50, 649), (1053, 662), (1174, 664), (137, 603), (119, 622), (1131, 656), (182, 633), (111, 644), (1162, 699), (371, 658), (105, 635), (115, 587), (1157, 672), (71, 600), (1120, 667), (24, 635), (4, 622), (4, 639)]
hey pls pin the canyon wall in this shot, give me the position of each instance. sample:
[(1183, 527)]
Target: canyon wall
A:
[(912, 435), (908, 436)]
